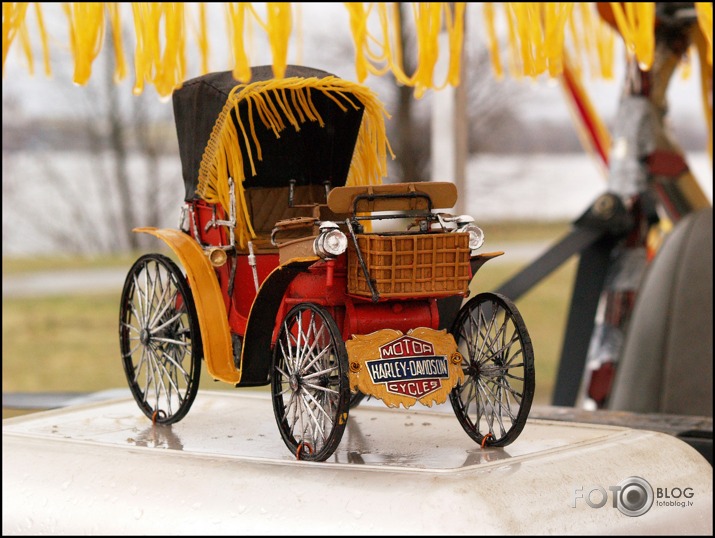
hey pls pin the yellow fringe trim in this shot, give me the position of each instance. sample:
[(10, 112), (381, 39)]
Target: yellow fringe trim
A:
[(165, 69), (86, 21), (636, 23), (704, 11), (430, 18), (13, 16), (236, 27), (43, 38), (27, 48), (538, 33), (222, 157), (14, 25), (704, 48), (120, 71), (605, 47), (202, 39), (492, 41)]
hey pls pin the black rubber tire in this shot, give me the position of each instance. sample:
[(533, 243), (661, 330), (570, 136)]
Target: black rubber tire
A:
[(309, 382), (494, 400), (159, 339)]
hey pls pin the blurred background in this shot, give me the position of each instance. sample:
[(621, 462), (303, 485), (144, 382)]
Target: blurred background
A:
[(84, 165)]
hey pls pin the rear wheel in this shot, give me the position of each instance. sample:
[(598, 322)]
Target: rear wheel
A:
[(159, 339), (493, 401), (309, 382)]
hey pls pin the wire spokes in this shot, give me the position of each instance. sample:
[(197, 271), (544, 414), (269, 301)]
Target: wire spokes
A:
[(158, 337), (497, 391), (310, 389)]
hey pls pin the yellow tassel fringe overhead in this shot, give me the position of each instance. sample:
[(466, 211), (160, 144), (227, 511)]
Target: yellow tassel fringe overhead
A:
[(13, 23), (705, 21), (537, 34), (166, 69), (223, 158), (86, 22), (635, 21), (430, 19)]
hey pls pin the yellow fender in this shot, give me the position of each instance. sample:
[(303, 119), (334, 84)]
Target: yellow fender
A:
[(208, 299), (477, 261)]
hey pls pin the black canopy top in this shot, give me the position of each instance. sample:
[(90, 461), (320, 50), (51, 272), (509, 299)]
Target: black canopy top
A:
[(313, 154)]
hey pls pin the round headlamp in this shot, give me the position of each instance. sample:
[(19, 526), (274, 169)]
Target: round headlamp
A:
[(465, 224), (476, 235), (331, 241)]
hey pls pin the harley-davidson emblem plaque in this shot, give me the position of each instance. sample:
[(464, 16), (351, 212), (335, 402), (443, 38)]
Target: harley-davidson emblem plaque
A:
[(401, 369)]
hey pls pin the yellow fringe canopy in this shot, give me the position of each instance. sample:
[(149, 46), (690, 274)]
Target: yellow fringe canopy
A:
[(165, 69), (430, 19), (705, 21), (86, 20), (278, 104), (537, 35), (537, 38)]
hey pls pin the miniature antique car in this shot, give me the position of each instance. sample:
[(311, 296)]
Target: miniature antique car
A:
[(301, 271)]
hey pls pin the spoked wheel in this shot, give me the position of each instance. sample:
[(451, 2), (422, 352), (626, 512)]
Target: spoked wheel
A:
[(493, 401), (159, 339), (309, 384)]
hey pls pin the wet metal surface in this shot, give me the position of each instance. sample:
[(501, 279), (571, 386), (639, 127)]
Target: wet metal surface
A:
[(103, 468), (242, 425)]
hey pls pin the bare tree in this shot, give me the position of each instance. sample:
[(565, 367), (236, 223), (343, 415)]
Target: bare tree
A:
[(121, 141), (492, 105), (412, 118), (114, 130)]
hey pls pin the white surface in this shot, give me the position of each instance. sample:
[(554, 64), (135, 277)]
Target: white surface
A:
[(104, 469)]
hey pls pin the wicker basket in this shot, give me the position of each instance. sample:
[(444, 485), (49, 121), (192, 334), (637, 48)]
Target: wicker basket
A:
[(416, 265)]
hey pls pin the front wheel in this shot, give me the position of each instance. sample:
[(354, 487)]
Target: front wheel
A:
[(309, 383), (159, 339), (493, 401)]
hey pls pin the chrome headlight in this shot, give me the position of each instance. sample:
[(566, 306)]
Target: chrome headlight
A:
[(476, 235), (331, 241), (465, 224)]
